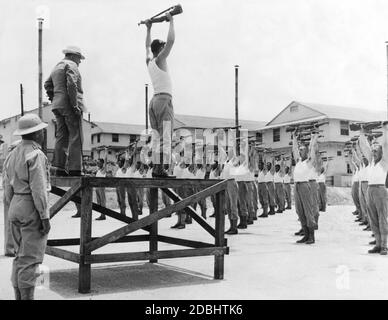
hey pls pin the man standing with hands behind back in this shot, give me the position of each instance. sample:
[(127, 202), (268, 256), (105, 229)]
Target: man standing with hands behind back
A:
[(64, 90), (160, 109)]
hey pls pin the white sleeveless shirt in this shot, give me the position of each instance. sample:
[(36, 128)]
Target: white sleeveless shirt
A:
[(377, 174), (302, 171), (160, 79)]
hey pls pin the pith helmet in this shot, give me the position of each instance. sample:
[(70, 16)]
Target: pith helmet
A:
[(29, 123)]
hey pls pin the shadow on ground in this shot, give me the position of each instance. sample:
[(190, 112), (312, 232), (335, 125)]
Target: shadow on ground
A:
[(124, 278)]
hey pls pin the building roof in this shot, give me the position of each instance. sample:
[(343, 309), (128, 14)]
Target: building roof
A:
[(323, 111), (190, 121), (346, 113), (120, 128), (181, 121)]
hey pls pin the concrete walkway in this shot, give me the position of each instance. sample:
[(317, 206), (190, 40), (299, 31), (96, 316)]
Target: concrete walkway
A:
[(264, 263)]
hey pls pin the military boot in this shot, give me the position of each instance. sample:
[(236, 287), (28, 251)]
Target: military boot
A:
[(27, 293), (233, 227), (17, 293), (311, 238), (271, 210), (243, 223), (305, 237)]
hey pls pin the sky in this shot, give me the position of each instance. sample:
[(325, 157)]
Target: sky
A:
[(322, 51)]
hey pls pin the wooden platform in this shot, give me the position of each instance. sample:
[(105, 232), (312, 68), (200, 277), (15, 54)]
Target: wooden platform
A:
[(87, 244)]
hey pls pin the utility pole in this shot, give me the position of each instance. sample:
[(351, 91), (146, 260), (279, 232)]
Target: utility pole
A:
[(386, 44), (40, 20), (40, 99), (236, 111), (146, 106), (21, 100)]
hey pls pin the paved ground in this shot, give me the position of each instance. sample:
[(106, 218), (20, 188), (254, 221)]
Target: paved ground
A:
[(264, 263)]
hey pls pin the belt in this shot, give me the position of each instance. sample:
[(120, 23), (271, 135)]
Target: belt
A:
[(22, 194), (312, 180), (162, 94), (300, 182), (364, 181), (278, 182), (377, 185)]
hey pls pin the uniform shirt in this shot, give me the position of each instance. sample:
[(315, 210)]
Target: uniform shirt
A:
[(130, 172), (137, 174), (26, 171), (120, 173), (377, 174), (186, 174), (277, 178), (213, 175), (261, 176), (100, 174), (268, 177), (178, 171), (355, 177), (225, 174), (240, 173), (149, 173), (287, 178), (362, 174), (321, 178), (64, 86), (313, 174), (160, 79), (200, 174), (302, 171)]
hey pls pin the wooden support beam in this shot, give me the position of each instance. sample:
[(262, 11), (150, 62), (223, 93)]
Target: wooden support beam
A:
[(63, 254), (189, 210), (65, 198), (184, 242), (96, 207), (154, 227), (220, 236), (148, 182), (112, 236), (76, 241), (113, 182), (165, 254), (84, 277)]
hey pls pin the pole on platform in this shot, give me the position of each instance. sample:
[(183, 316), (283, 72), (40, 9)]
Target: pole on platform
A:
[(146, 106), (21, 101), (236, 110)]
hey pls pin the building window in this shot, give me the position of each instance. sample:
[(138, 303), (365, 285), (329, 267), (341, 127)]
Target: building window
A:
[(98, 138), (115, 137), (132, 138), (344, 128), (294, 109), (276, 135), (348, 170), (259, 137), (339, 153)]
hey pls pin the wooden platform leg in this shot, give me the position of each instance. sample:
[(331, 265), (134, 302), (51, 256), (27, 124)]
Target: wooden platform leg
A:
[(84, 276), (154, 226), (219, 239)]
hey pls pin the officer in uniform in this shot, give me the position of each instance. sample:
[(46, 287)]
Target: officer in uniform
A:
[(8, 242), (64, 89), (27, 186), (263, 191)]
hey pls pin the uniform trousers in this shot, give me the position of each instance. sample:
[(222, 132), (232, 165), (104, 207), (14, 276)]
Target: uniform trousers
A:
[(378, 207), (29, 243)]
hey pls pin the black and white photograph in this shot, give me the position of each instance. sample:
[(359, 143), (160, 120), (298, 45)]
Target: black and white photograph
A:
[(217, 150)]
